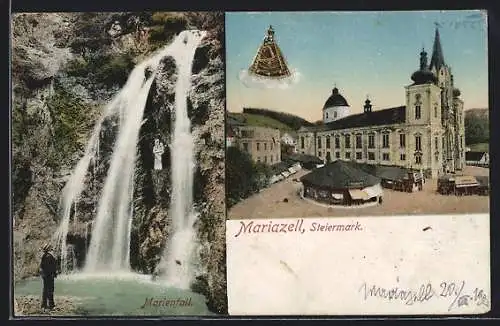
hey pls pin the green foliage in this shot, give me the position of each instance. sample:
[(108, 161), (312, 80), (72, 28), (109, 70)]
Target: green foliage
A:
[(239, 175), (292, 121), (115, 69), (243, 177), (262, 121), (72, 120), (107, 70), (476, 127), (164, 26)]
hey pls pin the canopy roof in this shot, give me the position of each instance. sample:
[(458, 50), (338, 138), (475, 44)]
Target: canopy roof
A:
[(340, 174)]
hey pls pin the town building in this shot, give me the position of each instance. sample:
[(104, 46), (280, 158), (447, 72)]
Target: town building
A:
[(263, 144), (425, 134)]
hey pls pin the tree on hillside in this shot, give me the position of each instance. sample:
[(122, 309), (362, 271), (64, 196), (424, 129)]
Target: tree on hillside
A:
[(292, 121), (243, 177), (239, 175), (476, 129)]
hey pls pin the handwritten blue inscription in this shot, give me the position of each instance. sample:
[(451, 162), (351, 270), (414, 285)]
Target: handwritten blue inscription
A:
[(454, 291)]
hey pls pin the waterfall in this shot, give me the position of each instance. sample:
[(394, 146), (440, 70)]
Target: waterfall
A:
[(109, 247), (71, 191), (178, 253)]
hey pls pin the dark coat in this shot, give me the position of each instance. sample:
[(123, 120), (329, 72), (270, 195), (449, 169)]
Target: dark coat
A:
[(48, 265)]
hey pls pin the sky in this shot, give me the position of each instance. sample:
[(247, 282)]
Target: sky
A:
[(361, 53)]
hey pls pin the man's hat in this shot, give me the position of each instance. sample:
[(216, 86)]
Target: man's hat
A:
[(47, 247)]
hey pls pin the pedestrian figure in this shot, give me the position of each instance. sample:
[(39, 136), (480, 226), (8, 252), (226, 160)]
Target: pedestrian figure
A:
[(48, 271)]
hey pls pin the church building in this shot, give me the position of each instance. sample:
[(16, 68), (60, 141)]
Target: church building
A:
[(425, 134)]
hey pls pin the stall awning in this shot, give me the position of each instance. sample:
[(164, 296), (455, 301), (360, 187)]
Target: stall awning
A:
[(465, 181), (358, 194)]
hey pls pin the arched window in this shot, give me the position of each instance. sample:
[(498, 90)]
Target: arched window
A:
[(418, 113)]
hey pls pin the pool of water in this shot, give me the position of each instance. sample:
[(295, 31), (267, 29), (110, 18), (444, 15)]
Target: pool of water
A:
[(126, 294)]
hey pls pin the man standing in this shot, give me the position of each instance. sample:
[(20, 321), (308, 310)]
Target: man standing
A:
[(48, 271)]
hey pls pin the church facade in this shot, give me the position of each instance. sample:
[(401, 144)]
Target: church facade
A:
[(426, 134)]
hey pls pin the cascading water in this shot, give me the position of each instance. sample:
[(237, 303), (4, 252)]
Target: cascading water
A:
[(109, 248), (177, 259)]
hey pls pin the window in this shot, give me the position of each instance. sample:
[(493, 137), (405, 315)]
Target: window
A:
[(418, 159), (327, 141), (245, 147), (359, 155), (337, 142), (247, 133), (385, 140), (402, 140), (319, 154), (385, 156), (334, 114), (319, 142), (435, 112), (359, 141), (417, 112), (418, 143), (265, 146), (326, 115), (347, 141), (258, 146), (348, 155), (337, 154), (258, 159), (328, 158), (436, 143), (371, 156), (402, 157), (371, 141), (302, 142)]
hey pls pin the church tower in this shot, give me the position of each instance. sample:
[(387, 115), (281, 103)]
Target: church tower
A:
[(336, 107), (423, 107), (451, 110)]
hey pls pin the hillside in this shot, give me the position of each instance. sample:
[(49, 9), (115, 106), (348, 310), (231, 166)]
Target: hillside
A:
[(477, 126), (292, 121), (262, 121)]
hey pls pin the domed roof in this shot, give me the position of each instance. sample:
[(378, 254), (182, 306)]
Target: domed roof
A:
[(456, 92), (423, 77), (335, 99)]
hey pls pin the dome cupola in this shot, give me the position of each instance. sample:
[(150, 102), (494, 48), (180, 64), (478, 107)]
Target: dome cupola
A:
[(423, 75), (336, 99)]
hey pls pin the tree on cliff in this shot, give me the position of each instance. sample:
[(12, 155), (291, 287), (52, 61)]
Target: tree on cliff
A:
[(477, 126)]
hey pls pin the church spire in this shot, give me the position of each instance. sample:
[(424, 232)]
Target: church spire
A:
[(437, 59)]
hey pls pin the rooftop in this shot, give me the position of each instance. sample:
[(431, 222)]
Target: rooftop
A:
[(382, 117), (340, 175)]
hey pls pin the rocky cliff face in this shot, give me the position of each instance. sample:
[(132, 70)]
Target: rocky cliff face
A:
[(60, 85)]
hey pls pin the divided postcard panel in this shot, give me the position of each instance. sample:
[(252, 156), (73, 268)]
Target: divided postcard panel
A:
[(357, 163), (118, 164), (250, 163)]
